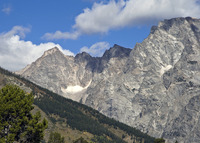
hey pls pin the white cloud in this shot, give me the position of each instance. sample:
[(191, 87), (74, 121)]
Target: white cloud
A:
[(96, 49), (15, 53), (105, 16), (100, 18), (6, 10), (64, 51), (61, 35)]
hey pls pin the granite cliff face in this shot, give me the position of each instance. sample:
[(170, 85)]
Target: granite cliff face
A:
[(154, 87)]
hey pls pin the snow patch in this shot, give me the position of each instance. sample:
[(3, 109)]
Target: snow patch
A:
[(75, 88)]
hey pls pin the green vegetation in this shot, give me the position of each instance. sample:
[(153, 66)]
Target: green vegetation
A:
[(101, 139), (17, 123), (80, 140), (52, 104), (78, 116), (56, 138)]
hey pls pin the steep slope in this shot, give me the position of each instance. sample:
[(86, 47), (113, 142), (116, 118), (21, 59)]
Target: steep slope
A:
[(168, 66), (53, 69), (153, 87), (74, 120)]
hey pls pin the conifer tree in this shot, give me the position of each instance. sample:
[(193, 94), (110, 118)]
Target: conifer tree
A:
[(17, 123)]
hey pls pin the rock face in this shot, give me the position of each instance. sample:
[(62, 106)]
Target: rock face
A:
[(154, 87)]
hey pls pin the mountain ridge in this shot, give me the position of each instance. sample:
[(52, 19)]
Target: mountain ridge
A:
[(148, 87)]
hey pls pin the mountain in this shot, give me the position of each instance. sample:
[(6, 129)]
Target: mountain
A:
[(154, 87), (72, 119), (71, 76)]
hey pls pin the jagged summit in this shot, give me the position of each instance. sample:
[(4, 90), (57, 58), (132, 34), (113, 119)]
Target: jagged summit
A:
[(83, 57), (168, 24), (51, 51), (116, 51)]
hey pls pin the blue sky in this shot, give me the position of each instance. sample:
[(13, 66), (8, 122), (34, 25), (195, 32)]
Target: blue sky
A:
[(29, 27)]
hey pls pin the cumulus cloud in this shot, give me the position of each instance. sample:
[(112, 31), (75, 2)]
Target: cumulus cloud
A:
[(15, 53), (6, 10), (96, 49), (104, 16)]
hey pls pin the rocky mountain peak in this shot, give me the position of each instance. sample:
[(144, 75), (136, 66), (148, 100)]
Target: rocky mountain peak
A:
[(116, 51), (51, 51), (83, 57), (169, 24)]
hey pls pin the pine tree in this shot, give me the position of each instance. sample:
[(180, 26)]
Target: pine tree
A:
[(17, 123)]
